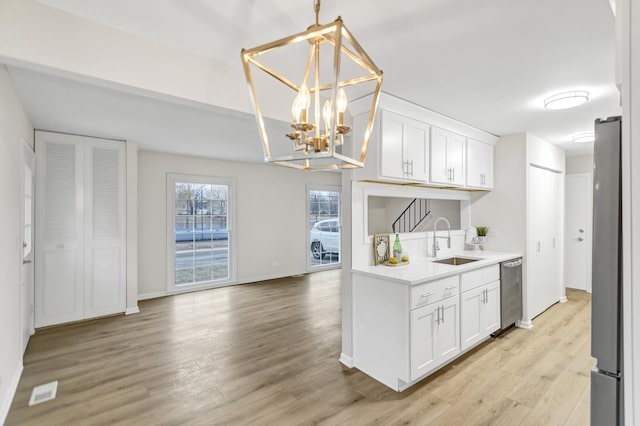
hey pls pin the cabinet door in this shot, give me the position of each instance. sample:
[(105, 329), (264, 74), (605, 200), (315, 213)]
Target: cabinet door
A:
[(479, 164), (448, 333), (392, 154), (491, 308), (471, 327), (417, 147), (455, 158), (423, 350), (438, 168)]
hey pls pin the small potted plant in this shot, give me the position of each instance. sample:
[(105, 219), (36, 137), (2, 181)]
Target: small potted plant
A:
[(482, 234)]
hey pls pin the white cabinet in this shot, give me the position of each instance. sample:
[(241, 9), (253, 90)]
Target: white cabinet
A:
[(480, 313), (80, 228), (447, 157), (479, 164), (404, 148), (435, 335)]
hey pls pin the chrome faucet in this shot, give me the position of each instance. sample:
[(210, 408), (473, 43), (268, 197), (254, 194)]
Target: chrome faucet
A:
[(436, 247)]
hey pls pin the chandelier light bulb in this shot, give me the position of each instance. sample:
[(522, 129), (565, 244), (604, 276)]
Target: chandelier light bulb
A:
[(326, 115)]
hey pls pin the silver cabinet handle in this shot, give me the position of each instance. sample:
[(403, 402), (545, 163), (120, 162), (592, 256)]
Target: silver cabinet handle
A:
[(424, 296), (60, 245), (438, 315), (442, 309), (578, 239), (411, 172), (554, 243), (538, 246), (581, 230), (454, 174), (450, 288), (25, 262)]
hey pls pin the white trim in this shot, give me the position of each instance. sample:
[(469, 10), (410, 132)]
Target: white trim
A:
[(132, 310), (231, 183), (210, 286), (346, 360), (146, 296), (563, 299), (528, 325), (11, 392)]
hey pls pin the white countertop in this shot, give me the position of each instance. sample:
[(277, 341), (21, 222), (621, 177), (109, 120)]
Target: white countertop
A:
[(423, 269)]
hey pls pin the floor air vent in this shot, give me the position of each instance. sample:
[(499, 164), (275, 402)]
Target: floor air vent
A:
[(43, 393)]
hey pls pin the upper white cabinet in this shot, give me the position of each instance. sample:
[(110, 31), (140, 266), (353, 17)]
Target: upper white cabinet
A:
[(447, 157), (479, 164), (404, 148), (411, 144)]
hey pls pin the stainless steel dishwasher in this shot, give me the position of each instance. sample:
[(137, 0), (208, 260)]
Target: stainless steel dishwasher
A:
[(510, 293)]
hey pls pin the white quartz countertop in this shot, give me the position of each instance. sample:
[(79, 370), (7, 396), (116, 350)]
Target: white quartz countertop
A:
[(423, 269)]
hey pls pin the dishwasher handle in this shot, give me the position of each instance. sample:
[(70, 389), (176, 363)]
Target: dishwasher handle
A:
[(512, 264)]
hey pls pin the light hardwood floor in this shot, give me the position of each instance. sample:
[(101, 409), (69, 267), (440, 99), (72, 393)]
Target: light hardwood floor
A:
[(267, 353)]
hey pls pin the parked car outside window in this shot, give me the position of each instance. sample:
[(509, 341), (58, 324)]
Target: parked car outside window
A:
[(325, 238)]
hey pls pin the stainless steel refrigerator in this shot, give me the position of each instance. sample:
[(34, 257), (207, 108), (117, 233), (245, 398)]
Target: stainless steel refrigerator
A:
[(606, 302)]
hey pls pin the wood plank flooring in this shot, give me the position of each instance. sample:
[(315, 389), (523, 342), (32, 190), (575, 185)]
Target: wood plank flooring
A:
[(267, 353)]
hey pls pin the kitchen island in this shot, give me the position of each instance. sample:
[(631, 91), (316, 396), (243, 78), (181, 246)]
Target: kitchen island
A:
[(409, 320)]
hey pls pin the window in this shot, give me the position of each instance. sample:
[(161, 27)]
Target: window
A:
[(199, 231), (323, 208)]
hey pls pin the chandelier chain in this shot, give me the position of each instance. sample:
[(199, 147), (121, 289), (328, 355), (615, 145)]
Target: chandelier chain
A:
[(317, 10)]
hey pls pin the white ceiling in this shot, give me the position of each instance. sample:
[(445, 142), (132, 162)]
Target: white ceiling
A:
[(487, 63)]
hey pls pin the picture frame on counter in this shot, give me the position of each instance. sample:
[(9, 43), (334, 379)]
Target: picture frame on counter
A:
[(380, 248)]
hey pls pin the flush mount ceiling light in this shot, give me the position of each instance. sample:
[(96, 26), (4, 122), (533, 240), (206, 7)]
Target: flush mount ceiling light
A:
[(566, 100), (306, 80), (584, 137)]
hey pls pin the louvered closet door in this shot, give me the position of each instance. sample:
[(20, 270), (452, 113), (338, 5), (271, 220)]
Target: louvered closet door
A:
[(104, 271), (59, 230), (80, 228)]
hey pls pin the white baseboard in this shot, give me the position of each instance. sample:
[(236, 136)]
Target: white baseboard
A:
[(524, 324), (146, 296), (132, 310), (563, 299), (346, 360), (11, 392)]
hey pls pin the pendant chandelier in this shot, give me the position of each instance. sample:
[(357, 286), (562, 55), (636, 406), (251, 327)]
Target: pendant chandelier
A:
[(301, 90)]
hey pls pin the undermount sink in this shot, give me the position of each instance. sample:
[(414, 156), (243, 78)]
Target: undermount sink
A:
[(455, 261)]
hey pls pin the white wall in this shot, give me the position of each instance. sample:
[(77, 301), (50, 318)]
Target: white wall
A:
[(42, 38), (503, 210), (579, 164), (15, 127), (271, 216)]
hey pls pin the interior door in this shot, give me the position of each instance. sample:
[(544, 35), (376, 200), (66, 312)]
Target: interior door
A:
[(27, 289), (59, 230), (537, 274), (577, 231)]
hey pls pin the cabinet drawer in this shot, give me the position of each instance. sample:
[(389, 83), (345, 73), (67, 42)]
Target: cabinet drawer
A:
[(434, 291), (478, 277)]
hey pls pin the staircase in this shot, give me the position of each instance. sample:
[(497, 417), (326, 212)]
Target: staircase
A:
[(415, 213)]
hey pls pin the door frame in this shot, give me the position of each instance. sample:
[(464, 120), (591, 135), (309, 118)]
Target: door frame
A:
[(588, 225), (27, 295)]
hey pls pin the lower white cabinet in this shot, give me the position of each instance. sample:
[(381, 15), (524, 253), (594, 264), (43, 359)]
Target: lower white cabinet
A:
[(435, 335), (402, 332), (480, 313)]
